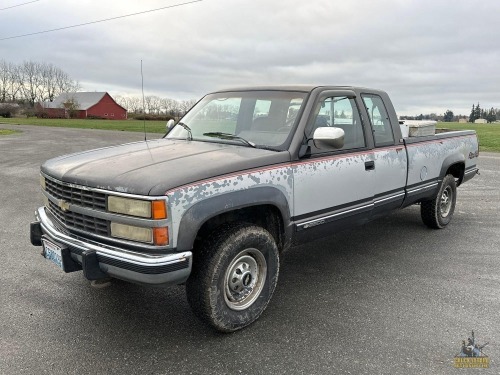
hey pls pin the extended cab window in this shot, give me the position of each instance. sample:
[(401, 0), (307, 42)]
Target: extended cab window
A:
[(340, 112), (261, 109), (381, 125)]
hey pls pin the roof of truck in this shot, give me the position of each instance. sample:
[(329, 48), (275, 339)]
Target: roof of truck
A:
[(298, 87)]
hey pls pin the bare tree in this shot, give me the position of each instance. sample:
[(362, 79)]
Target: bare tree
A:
[(186, 105), (134, 104), (121, 100), (147, 103), (49, 85), (171, 106), (9, 85), (64, 83), (15, 82), (30, 81), (155, 105), (4, 80)]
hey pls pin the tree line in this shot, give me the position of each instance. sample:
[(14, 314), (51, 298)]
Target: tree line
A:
[(490, 115), (31, 82), (154, 105)]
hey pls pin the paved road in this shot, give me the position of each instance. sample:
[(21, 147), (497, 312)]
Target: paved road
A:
[(391, 297)]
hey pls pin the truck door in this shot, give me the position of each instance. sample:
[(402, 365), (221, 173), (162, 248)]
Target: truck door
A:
[(390, 169), (333, 188)]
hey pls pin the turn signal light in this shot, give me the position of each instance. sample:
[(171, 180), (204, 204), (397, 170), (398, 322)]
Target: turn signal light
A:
[(160, 236), (159, 210)]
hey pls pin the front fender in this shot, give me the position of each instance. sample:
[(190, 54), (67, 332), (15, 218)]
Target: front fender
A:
[(201, 212)]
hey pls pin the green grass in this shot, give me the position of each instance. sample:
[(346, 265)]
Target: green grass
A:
[(488, 134), (117, 125), (8, 131)]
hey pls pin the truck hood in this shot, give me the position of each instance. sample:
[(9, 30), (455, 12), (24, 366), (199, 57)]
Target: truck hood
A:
[(156, 166)]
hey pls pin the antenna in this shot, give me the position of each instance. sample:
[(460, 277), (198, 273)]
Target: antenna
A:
[(143, 105)]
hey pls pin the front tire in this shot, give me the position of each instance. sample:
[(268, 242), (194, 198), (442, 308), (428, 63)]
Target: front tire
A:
[(437, 213), (234, 276)]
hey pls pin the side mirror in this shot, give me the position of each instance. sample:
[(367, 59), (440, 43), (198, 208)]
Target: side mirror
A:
[(327, 137), (170, 125)]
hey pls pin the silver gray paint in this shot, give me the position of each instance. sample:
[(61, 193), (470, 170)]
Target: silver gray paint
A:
[(432, 154)]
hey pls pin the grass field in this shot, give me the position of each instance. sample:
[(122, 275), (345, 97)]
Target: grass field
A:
[(8, 131), (489, 134), (120, 125)]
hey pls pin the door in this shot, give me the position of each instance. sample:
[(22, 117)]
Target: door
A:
[(390, 158), (333, 188)]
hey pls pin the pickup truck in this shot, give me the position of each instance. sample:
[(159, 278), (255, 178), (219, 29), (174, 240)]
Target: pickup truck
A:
[(244, 175)]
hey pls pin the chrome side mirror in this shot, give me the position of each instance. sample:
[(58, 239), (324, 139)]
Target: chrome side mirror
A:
[(328, 137), (170, 125)]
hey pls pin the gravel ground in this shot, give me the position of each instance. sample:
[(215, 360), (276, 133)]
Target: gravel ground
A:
[(390, 297)]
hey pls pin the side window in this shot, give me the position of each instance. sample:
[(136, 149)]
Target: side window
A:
[(293, 109), (340, 112), (262, 108), (381, 126), (276, 115)]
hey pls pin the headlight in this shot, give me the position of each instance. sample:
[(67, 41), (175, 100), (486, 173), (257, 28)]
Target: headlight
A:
[(127, 206), (155, 210), (130, 232), (158, 236), (42, 182)]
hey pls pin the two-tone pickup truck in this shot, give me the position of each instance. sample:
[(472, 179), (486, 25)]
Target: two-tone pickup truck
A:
[(244, 175)]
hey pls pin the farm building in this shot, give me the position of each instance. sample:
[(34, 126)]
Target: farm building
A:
[(480, 121), (83, 105)]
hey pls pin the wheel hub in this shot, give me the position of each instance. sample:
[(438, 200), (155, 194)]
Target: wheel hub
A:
[(240, 277), (446, 201), (244, 279)]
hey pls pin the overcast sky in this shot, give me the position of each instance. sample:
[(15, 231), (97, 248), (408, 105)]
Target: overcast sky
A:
[(429, 56)]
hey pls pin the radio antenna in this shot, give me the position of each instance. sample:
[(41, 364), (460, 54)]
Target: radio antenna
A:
[(143, 104)]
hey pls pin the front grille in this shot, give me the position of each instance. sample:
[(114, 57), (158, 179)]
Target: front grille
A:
[(78, 221), (80, 197), (74, 195)]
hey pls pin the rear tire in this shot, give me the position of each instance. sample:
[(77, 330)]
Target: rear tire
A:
[(234, 276), (437, 212)]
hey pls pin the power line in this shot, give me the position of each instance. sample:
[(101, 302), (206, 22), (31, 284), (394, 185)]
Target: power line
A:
[(99, 21), (19, 5)]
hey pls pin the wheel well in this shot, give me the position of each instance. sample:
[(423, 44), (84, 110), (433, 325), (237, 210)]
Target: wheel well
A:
[(457, 170), (266, 216)]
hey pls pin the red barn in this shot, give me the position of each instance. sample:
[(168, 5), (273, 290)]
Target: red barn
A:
[(83, 105)]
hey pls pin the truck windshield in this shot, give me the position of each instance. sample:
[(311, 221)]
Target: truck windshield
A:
[(250, 118)]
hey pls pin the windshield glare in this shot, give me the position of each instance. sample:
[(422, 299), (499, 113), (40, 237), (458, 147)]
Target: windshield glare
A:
[(264, 118)]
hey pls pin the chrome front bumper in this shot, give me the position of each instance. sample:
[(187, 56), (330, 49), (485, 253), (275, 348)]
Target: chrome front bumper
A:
[(129, 265)]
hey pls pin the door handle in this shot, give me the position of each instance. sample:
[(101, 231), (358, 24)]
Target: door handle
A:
[(369, 165)]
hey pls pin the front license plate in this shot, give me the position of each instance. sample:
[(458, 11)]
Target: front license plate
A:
[(53, 253)]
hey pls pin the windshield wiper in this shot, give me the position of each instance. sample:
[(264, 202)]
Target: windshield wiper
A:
[(188, 129), (230, 136)]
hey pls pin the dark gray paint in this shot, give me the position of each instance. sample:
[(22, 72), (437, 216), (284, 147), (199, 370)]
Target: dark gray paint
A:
[(153, 167)]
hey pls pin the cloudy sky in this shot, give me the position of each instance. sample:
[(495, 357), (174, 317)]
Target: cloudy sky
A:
[(429, 55)]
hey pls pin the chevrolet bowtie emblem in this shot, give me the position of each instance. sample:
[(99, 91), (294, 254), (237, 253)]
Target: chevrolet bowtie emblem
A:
[(63, 205)]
